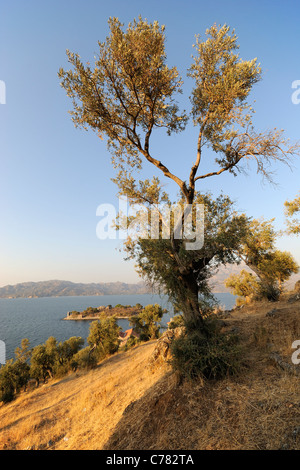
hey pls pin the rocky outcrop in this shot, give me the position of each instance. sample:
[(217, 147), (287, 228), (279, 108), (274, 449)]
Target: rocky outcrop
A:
[(289, 368), (294, 298), (162, 351)]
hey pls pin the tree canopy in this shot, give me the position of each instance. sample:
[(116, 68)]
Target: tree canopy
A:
[(129, 93), (257, 249), (147, 322), (292, 208)]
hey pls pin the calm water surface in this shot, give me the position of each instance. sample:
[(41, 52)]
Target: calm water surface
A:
[(37, 319)]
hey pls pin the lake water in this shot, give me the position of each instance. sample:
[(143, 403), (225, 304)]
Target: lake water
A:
[(37, 319)]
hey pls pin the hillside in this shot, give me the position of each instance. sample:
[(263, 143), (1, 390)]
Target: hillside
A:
[(126, 404), (66, 288)]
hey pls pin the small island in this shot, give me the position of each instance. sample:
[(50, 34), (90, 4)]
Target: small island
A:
[(93, 313)]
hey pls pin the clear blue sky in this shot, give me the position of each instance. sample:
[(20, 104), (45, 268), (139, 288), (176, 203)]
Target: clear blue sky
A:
[(53, 176)]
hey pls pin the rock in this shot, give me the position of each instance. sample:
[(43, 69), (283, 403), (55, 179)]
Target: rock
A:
[(296, 432), (294, 298), (289, 368), (162, 351)]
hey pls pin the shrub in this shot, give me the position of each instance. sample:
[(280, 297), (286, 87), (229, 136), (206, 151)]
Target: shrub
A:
[(147, 322), (269, 291), (68, 348), (211, 357), (130, 343), (7, 382), (84, 359), (176, 321), (104, 336), (22, 375)]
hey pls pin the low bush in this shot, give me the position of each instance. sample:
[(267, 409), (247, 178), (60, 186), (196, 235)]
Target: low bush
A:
[(84, 359), (212, 357)]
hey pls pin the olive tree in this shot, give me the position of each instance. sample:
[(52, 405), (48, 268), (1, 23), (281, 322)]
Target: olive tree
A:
[(130, 93), (291, 209)]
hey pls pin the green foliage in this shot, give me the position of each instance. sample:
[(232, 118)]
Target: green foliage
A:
[(176, 321), (64, 354), (184, 274), (13, 377), (131, 342), (42, 363), (197, 356), (52, 359), (271, 266), (244, 284), (147, 322), (83, 359), (91, 310), (23, 352), (104, 335), (128, 94), (292, 208), (7, 382), (278, 265), (269, 290), (68, 348), (22, 375), (130, 87), (55, 360), (223, 82)]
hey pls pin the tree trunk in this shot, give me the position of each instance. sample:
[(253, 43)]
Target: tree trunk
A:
[(190, 303)]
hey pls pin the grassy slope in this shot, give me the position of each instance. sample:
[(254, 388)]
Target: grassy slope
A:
[(124, 405)]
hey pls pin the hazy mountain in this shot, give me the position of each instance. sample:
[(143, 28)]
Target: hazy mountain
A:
[(66, 288)]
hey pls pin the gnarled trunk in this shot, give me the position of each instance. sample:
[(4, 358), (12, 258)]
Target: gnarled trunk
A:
[(189, 302)]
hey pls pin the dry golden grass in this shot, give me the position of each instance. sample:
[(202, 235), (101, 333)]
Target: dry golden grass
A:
[(123, 404), (259, 409), (79, 411)]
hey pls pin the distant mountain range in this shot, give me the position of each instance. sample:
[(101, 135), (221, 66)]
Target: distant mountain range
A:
[(66, 288)]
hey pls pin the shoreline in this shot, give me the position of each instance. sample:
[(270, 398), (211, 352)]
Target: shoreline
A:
[(92, 318)]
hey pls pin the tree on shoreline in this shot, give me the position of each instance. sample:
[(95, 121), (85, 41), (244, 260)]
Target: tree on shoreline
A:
[(130, 93)]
